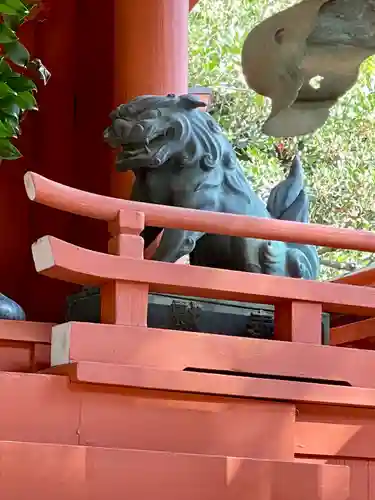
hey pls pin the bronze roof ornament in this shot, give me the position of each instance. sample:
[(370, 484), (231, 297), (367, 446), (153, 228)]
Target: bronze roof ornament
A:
[(305, 58)]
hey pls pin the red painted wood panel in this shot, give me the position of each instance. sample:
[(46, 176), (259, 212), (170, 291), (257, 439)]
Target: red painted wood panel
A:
[(362, 476), (340, 436), (48, 148), (94, 95), (53, 145), (359, 479), (15, 356), (82, 473), (371, 482), (62, 141), (344, 433), (48, 409), (201, 426), (39, 408)]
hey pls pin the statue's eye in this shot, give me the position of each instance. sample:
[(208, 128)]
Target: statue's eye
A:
[(131, 109)]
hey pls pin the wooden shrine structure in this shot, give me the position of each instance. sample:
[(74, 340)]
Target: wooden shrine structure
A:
[(120, 409)]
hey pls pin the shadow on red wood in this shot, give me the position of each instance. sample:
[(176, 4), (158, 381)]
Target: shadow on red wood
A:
[(81, 473)]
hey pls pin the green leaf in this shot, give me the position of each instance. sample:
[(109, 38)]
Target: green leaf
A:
[(8, 151), (13, 122), (20, 83), (18, 6), (7, 9), (9, 108), (17, 53), (5, 91), (16, 90), (6, 34), (25, 100), (13, 22), (5, 69), (6, 130)]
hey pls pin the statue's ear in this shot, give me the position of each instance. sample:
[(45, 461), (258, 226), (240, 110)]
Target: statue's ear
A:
[(189, 101)]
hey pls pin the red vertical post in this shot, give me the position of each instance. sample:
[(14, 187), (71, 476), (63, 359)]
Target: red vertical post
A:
[(298, 322), (94, 82), (151, 56), (192, 3), (124, 303)]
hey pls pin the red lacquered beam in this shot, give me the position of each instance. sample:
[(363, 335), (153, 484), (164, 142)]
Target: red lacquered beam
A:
[(67, 199), (61, 260), (364, 277)]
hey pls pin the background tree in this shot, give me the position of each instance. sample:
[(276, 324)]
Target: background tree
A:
[(338, 158)]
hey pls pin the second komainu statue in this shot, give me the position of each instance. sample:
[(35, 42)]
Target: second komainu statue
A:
[(180, 157)]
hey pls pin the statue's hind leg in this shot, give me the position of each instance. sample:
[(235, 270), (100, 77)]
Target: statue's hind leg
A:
[(175, 244)]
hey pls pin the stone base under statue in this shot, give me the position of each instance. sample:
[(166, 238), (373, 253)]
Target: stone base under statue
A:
[(175, 312)]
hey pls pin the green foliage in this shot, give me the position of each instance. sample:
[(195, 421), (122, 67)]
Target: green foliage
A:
[(16, 88), (338, 158)]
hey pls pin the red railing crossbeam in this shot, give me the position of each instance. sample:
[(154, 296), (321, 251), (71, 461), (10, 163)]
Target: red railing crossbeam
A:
[(126, 278)]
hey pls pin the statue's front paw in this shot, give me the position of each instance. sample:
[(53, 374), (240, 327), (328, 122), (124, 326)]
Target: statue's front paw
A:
[(299, 266), (187, 247)]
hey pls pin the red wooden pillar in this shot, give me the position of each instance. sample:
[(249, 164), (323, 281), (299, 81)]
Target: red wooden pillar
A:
[(99, 57), (94, 77), (193, 3), (47, 146), (53, 149), (151, 56)]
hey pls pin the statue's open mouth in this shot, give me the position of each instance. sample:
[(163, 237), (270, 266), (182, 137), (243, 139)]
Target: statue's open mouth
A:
[(142, 154)]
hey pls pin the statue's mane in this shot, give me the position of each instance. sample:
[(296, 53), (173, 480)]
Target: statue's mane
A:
[(200, 143)]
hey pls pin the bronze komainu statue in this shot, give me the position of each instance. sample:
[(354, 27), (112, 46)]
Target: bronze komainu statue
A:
[(180, 157)]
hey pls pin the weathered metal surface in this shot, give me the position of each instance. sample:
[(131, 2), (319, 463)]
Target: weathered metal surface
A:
[(191, 314), (180, 157), (306, 57)]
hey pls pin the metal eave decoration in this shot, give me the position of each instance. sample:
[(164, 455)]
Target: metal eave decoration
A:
[(305, 58)]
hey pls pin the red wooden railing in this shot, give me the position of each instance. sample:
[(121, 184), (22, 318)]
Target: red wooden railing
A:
[(135, 387), (75, 201), (126, 278)]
